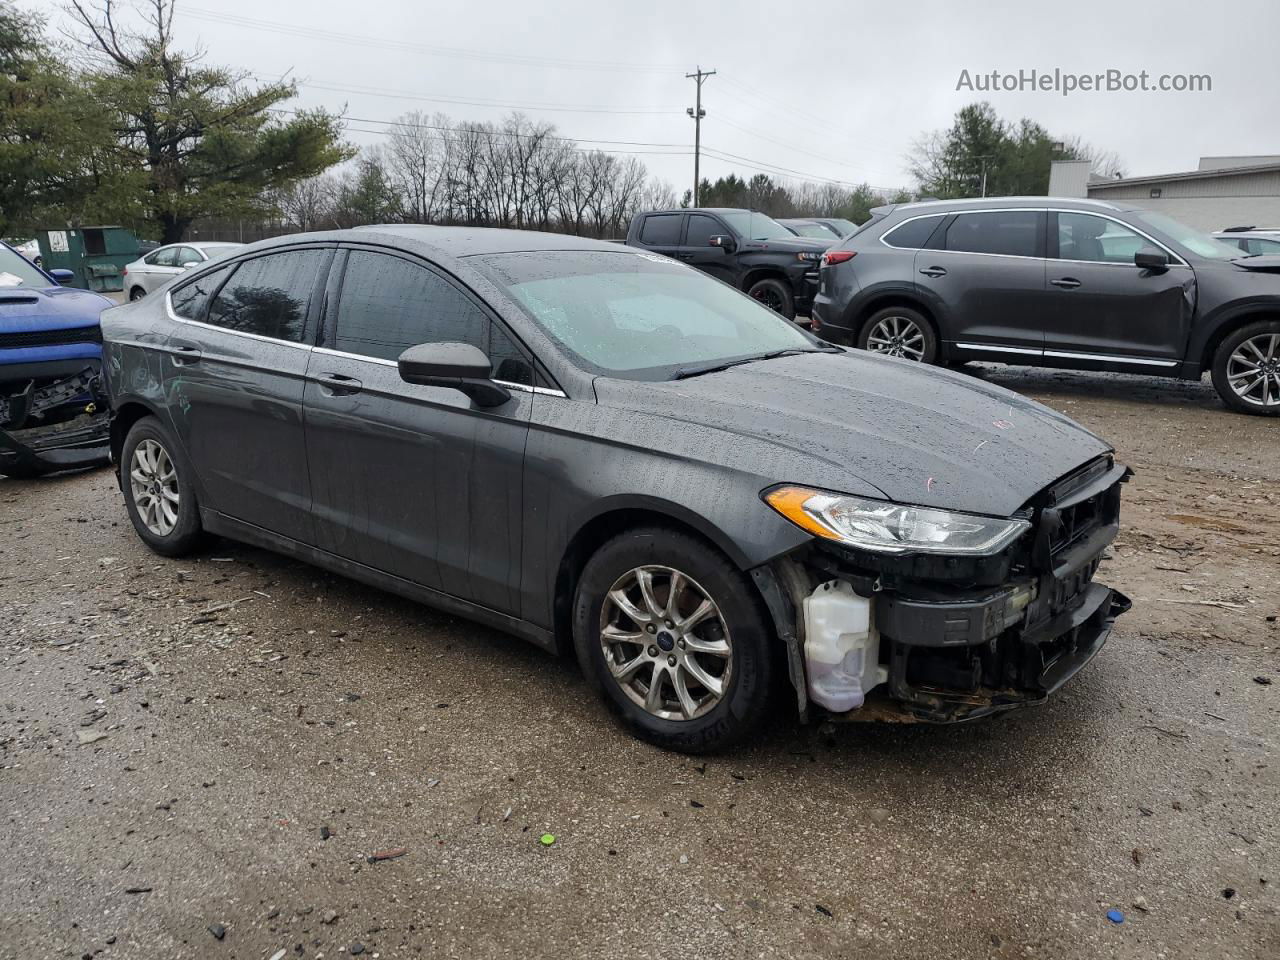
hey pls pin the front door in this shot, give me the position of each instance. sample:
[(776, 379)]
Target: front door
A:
[(1103, 307), (697, 250), (413, 480), (985, 283), (237, 358)]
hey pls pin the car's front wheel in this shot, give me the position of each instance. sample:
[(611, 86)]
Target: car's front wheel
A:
[(158, 492), (899, 332), (1246, 369), (675, 639)]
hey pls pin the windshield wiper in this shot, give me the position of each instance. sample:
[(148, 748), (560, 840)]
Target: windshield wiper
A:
[(717, 365)]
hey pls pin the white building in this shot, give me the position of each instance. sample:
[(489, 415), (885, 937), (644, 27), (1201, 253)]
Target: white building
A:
[(1223, 192)]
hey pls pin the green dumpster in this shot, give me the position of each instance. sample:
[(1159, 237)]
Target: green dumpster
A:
[(96, 255)]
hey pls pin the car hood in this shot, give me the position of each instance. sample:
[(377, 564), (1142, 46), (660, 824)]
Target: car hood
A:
[(1263, 263), (28, 309), (789, 245), (919, 435)]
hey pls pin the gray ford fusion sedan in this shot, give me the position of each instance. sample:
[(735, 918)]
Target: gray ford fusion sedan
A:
[(600, 449)]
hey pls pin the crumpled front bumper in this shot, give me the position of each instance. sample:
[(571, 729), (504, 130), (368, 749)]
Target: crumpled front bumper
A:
[(65, 425)]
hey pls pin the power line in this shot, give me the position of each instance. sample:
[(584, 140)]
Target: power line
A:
[(762, 167), (460, 53)]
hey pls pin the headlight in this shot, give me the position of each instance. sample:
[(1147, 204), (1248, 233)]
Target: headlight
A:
[(809, 257), (893, 528)]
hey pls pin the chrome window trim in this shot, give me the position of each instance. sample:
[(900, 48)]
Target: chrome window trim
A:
[(168, 306), (1176, 260), (522, 387)]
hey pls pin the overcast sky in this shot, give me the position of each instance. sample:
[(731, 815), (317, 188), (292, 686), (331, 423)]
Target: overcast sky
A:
[(828, 91)]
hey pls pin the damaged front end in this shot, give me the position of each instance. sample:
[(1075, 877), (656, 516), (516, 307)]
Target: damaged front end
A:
[(52, 417), (917, 637)]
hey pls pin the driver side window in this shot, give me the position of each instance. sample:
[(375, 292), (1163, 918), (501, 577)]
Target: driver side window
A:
[(1082, 236), (388, 304), (701, 229)]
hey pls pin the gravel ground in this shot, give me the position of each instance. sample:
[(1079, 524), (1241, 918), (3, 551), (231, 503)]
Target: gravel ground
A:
[(199, 757)]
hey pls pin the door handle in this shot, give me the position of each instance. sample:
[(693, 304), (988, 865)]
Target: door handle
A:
[(185, 353), (339, 384), (934, 272), (1066, 283)]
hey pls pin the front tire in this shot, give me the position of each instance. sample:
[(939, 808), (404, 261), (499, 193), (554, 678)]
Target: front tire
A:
[(675, 640), (775, 295), (899, 332), (158, 492), (1246, 369)]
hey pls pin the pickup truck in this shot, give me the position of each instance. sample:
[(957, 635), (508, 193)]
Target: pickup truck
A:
[(745, 249)]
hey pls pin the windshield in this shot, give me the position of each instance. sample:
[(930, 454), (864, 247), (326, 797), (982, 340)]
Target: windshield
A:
[(815, 230), (15, 271), (215, 250), (639, 316), (843, 227), (1201, 244), (756, 226)]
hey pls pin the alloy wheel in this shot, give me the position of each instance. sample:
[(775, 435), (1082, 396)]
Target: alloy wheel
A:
[(770, 298), (897, 337), (666, 643), (1253, 370), (153, 482)]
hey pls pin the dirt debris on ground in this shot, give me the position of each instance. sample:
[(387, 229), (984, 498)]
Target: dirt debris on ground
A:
[(239, 755)]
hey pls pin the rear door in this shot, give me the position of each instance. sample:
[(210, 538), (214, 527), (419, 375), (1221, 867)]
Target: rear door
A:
[(1102, 307), (414, 480), (161, 267), (238, 358), (661, 232), (984, 277), (697, 250)]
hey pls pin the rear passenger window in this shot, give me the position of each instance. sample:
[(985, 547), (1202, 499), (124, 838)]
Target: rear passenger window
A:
[(1010, 233), (192, 299), (914, 234), (269, 296), (388, 305), (167, 257), (661, 230)]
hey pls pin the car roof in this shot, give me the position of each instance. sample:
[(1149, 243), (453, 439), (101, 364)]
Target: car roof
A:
[(448, 241), (1000, 203)]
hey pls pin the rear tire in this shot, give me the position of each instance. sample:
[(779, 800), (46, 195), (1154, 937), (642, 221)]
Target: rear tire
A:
[(775, 295), (158, 493), (732, 639), (1246, 369), (899, 332), (136, 293)]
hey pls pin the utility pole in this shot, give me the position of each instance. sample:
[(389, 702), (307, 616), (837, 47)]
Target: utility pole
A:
[(697, 113), (984, 158)]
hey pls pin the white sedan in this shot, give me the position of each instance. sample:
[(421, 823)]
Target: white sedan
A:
[(164, 263)]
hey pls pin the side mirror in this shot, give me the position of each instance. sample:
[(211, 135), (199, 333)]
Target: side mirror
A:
[(462, 366), (64, 277), (1149, 258), (724, 242)]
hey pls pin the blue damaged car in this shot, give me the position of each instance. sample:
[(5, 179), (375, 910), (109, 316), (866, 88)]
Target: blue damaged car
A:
[(53, 411)]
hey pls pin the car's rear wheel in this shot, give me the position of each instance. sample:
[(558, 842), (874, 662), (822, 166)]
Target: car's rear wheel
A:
[(899, 332), (137, 293), (1246, 369), (157, 490), (775, 295), (674, 638)]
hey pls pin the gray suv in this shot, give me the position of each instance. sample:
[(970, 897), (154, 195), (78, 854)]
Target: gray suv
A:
[(1076, 284)]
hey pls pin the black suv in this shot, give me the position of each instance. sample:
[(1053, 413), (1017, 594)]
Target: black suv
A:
[(1076, 284), (745, 249)]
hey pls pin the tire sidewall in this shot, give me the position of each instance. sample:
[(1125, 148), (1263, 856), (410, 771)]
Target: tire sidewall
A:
[(1219, 368), (186, 532), (136, 293), (743, 706), (916, 317), (788, 301)]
